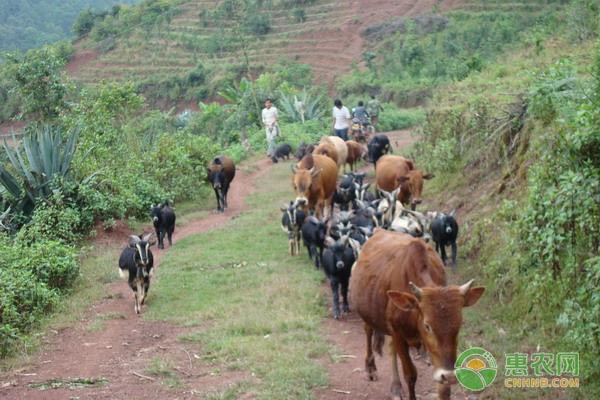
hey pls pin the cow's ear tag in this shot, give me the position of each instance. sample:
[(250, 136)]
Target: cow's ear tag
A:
[(404, 301)]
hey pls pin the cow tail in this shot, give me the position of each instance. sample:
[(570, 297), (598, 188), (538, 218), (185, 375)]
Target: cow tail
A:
[(378, 342)]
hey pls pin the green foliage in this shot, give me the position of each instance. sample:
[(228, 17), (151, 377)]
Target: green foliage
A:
[(258, 24), (583, 19), (51, 262), (29, 24), (47, 157), (38, 82), (54, 219), (314, 106), (394, 118)]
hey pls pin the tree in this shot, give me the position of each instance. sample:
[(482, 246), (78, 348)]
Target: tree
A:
[(39, 83)]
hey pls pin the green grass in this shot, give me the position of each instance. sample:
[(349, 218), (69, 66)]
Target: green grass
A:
[(164, 370), (253, 307)]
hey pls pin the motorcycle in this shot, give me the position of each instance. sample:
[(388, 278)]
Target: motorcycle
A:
[(361, 131)]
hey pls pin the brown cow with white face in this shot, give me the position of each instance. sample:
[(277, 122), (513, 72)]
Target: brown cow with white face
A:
[(314, 182), (398, 287), (395, 171)]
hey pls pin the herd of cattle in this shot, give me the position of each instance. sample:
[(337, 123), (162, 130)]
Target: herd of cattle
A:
[(374, 249), (372, 245)]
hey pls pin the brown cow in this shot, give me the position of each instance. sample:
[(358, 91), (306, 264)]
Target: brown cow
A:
[(340, 147), (314, 181), (392, 172), (327, 149), (398, 287), (356, 152), (221, 172)]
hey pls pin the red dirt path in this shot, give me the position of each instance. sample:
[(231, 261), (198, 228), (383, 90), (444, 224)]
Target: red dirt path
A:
[(126, 344)]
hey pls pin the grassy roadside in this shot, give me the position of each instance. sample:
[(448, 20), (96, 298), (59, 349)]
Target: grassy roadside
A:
[(98, 267), (253, 307)]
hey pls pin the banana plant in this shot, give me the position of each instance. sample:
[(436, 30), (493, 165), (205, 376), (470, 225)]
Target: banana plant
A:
[(44, 157)]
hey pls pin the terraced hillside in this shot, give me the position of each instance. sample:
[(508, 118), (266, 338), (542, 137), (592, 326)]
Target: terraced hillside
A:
[(329, 40)]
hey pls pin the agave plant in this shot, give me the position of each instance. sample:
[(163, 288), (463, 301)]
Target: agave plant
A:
[(44, 157), (301, 107)]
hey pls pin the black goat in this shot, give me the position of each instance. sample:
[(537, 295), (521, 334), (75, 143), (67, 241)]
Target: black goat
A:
[(338, 259), (314, 233), (345, 193), (137, 259), (282, 151), (163, 218), (292, 219), (444, 231)]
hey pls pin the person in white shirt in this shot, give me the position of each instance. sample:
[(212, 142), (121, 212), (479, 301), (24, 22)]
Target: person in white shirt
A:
[(341, 119), (269, 119)]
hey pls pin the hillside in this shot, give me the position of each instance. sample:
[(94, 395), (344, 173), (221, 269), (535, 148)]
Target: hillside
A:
[(25, 24), (325, 34)]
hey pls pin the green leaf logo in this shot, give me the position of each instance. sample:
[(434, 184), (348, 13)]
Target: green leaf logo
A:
[(476, 369)]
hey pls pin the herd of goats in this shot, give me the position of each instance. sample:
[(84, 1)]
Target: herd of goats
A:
[(372, 245)]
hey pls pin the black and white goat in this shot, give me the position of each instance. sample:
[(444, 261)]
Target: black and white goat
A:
[(163, 218), (138, 261), (292, 219)]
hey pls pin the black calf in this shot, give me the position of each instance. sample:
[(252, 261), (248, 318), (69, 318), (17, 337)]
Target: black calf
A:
[(137, 259), (338, 259), (163, 218), (444, 231), (377, 147)]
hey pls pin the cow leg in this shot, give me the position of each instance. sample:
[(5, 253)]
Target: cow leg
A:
[(345, 296), (225, 191), (291, 246), (453, 244), (336, 297), (396, 388), (370, 366), (410, 372), (161, 239), (170, 235), (218, 196), (443, 246)]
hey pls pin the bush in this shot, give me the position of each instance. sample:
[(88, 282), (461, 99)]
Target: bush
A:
[(51, 262), (259, 24), (393, 119), (53, 219)]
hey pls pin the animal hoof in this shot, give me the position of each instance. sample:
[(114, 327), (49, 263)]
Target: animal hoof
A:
[(373, 376)]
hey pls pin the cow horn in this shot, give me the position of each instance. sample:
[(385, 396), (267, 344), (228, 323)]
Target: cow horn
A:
[(415, 290), (464, 289), (294, 168)]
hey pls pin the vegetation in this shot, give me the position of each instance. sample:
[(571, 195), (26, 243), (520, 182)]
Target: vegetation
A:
[(276, 336), (28, 24)]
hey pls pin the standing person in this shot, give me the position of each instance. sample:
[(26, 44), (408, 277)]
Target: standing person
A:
[(374, 107), (269, 119), (341, 118)]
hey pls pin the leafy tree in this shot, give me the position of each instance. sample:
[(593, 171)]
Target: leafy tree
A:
[(39, 83)]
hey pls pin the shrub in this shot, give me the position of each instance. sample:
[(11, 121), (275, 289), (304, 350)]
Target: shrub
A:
[(258, 24), (393, 119), (51, 262)]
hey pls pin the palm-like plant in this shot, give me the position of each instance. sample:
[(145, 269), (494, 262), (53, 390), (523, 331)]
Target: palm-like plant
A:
[(45, 156), (301, 107)]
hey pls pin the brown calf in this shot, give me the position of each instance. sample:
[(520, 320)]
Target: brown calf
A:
[(395, 171), (398, 287), (355, 153), (314, 182)]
